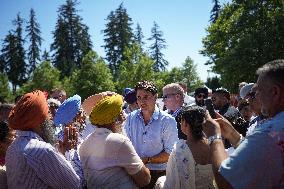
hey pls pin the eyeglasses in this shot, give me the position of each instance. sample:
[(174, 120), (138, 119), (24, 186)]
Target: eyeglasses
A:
[(201, 95), (168, 95), (251, 95)]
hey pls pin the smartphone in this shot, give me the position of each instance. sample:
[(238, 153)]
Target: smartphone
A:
[(209, 106)]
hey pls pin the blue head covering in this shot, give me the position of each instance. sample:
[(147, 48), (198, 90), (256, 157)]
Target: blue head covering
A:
[(67, 110), (126, 90)]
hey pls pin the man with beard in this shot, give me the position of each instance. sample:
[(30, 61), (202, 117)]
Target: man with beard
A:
[(200, 94), (221, 102), (108, 157), (31, 160), (152, 131)]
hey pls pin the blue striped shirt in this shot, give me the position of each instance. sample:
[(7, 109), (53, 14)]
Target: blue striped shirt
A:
[(33, 163)]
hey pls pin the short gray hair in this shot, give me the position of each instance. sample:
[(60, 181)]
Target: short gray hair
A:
[(274, 70), (174, 86)]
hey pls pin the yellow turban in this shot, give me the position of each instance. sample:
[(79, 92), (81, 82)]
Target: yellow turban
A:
[(106, 110)]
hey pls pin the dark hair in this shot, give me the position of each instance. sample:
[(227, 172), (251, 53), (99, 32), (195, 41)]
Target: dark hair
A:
[(147, 86), (274, 70), (224, 92), (130, 97), (194, 116), (242, 103), (201, 90), (4, 130)]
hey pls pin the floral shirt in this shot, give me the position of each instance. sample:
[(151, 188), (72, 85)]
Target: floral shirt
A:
[(183, 172)]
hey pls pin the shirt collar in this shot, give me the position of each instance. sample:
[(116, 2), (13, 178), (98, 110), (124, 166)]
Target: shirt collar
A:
[(155, 114), (102, 130), (29, 134)]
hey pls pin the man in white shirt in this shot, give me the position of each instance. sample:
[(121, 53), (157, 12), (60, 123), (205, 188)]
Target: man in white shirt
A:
[(109, 158)]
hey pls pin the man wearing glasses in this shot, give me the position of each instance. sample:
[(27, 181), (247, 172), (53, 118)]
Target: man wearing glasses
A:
[(173, 98), (248, 92), (152, 131)]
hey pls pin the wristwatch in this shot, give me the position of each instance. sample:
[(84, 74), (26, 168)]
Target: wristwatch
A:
[(214, 137)]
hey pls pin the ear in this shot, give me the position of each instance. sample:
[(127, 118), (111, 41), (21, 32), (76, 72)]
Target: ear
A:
[(276, 92)]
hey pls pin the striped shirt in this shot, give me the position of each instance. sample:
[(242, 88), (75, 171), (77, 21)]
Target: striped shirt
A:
[(33, 163)]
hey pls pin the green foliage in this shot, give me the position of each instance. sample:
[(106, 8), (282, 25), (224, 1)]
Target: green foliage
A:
[(186, 74), (14, 55), (33, 35), (93, 77), (213, 83), (215, 11), (137, 66), (71, 39), (5, 92), (118, 36), (246, 35), (159, 43), (45, 77)]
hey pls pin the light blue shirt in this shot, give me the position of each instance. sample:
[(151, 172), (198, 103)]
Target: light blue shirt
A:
[(157, 136), (259, 160)]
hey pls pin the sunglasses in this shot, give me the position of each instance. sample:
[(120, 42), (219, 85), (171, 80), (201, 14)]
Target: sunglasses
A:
[(201, 95), (168, 95), (251, 95)]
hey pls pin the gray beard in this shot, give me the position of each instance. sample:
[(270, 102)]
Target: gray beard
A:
[(48, 132)]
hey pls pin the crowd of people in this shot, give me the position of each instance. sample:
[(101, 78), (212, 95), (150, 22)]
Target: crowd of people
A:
[(125, 141)]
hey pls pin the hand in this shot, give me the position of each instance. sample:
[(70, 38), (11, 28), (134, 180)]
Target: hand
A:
[(227, 130), (70, 139), (210, 126), (145, 160)]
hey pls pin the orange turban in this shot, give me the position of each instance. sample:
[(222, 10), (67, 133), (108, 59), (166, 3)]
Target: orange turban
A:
[(29, 112)]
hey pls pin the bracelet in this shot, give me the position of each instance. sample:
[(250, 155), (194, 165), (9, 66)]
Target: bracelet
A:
[(211, 139), (239, 142)]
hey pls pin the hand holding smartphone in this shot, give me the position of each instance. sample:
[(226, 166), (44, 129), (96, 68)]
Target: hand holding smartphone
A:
[(209, 106)]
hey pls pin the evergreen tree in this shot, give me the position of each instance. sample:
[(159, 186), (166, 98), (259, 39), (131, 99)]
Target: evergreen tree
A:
[(45, 56), (14, 55), (159, 43), (71, 39), (118, 36), (215, 11), (33, 33), (138, 35), (190, 75)]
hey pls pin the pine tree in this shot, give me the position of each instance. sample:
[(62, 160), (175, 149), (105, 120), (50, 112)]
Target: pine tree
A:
[(138, 35), (71, 39), (215, 11), (45, 56), (156, 49), (33, 33), (118, 36), (14, 55)]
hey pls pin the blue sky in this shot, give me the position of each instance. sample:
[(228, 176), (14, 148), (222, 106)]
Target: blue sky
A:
[(183, 23)]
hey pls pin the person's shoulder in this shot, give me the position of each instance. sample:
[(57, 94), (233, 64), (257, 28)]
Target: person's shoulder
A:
[(117, 138), (37, 147)]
